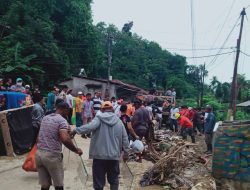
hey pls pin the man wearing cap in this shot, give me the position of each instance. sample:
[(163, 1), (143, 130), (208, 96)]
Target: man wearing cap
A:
[(49, 158), (109, 138), (186, 127), (18, 87), (27, 89), (208, 128)]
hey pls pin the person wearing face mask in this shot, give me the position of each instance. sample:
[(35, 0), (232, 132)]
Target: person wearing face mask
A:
[(18, 87)]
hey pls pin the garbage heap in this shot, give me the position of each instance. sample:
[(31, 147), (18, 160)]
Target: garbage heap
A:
[(178, 164)]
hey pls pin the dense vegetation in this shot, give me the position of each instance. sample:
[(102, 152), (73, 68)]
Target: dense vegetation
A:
[(49, 40)]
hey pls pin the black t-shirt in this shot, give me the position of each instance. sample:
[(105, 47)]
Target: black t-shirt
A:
[(125, 120)]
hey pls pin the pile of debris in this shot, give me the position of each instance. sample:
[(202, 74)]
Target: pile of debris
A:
[(178, 164)]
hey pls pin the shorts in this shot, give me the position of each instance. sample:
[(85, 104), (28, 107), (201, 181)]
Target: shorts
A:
[(50, 168)]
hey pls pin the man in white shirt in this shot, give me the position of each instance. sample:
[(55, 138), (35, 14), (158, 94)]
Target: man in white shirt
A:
[(174, 122), (63, 93), (69, 101)]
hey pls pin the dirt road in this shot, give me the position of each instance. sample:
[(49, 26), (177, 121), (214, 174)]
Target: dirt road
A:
[(12, 176)]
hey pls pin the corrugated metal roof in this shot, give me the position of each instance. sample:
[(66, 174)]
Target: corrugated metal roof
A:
[(244, 104)]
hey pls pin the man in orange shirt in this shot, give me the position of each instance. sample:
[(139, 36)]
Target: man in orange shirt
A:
[(185, 112), (130, 110), (79, 109), (186, 127)]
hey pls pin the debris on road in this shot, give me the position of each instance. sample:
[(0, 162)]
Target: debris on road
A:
[(181, 165)]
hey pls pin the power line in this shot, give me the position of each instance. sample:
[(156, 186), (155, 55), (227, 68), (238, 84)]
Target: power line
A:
[(199, 49), (193, 29), (210, 55), (222, 61), (224, 43), (227, 16), (248, 55)]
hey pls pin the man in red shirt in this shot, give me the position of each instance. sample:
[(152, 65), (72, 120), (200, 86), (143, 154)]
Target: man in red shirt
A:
[(185, 111), (186, 127)]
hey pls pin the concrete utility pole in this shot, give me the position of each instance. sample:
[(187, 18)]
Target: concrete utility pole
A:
[(109, 54), (107, 93), (234, 82)]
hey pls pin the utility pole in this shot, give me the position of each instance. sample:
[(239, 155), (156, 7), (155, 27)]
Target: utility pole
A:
[(203, 80), (234, 82), (109, 55), (107, 93)]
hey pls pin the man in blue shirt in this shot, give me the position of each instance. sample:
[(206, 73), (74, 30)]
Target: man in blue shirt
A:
[(208, 128), (51, 100)]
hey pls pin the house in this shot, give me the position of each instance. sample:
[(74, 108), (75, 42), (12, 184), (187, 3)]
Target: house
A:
[(245, 106), (108, 88)]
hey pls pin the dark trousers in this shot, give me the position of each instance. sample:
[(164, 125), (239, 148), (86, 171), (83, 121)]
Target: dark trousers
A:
[(188, 131), (79, 119), (197, 126), (208, 140), (102, 167), (70, 115), (36, 132), (174, 123)]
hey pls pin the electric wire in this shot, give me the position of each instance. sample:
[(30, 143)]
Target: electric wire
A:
[(248, 55), (222, 61), (204, 56), (244, 57), (223, 25), (198, 49), (224, 43), (193, 30)]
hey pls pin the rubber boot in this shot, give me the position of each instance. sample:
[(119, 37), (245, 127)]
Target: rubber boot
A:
[(114, 187)]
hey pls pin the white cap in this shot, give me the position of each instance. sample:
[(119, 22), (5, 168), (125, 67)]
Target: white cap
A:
[(80, 93), (27, 86)]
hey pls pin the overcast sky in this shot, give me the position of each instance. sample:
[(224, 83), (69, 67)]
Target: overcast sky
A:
[(168, 22)]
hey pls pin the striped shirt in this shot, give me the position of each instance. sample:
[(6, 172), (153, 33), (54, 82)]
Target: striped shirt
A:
[(97, 103), (48, 138)]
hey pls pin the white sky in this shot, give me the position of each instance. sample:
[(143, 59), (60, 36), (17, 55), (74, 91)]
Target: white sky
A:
[(168, 22)]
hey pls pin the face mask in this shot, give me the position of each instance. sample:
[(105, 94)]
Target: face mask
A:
[(19, 83)]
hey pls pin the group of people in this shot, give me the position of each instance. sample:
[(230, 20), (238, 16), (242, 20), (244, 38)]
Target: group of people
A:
[(111, 123), (7, 85), (19, 87), (191, 121)]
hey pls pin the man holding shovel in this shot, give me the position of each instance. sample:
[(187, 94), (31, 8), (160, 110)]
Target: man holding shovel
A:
[(109, 138)]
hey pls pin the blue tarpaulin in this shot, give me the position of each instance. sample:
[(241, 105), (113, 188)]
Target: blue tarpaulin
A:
[(14, 99)]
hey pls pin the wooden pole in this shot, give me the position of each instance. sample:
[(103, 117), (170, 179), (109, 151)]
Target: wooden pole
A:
[(6, 134)]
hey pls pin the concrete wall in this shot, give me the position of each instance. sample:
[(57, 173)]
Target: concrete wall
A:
[(79, 84)]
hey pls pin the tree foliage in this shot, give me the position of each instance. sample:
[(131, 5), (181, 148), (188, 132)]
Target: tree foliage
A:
[(49, 40)]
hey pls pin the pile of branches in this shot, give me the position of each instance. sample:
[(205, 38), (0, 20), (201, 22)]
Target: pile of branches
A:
[(177, 163)]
